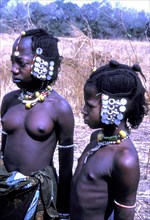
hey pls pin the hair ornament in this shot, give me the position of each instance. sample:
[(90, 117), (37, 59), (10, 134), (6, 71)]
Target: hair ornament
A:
[(113, 109), (51, 67), (16, 52), (39, 51), (41, 68), (23, 33), (94, 69)]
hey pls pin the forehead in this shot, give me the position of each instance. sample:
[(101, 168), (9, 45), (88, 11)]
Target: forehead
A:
[(24, 46), (90, 92)]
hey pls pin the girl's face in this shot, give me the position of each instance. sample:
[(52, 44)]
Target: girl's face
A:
[(21, 64), (92, 107)]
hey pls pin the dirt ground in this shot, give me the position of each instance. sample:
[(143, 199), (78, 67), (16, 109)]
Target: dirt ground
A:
[(141, 139)]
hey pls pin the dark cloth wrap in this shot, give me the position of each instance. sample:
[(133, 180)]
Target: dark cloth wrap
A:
[(15, 199)]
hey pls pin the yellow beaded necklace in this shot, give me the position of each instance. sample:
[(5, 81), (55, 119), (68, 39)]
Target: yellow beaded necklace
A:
[(115, 139), (104, 140), (30, 99)]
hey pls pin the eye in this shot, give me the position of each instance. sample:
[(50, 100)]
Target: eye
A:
[(23, 64), (88, 105)]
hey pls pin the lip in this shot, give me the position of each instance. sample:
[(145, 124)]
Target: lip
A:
[(85, 120), (16, 80)]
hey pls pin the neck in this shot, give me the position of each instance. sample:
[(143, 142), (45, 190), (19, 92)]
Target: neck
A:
[(35, 85), (113, 134), (110, 130), (30, 98), (118, 135)]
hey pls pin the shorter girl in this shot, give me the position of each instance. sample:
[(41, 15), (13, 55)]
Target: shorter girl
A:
[(107, 174)]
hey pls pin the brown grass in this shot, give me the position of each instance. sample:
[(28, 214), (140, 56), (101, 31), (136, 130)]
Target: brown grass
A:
[(81, 54)]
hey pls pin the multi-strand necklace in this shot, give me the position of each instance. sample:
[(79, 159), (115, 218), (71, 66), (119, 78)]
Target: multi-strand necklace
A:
[(32, 98), (106, 140)]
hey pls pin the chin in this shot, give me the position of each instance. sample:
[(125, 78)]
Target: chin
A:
[(19, 85), (85, 122), (92, 127)]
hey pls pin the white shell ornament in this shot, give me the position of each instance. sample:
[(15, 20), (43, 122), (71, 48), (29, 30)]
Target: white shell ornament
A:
[(39, 51)]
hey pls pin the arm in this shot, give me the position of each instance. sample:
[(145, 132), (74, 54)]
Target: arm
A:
[(4, 137), (8, 100), (65, 130), (126, 178), (4, 134)]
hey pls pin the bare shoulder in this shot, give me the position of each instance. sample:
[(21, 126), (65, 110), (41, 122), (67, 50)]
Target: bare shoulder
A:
[(8, 99), (60, 103), (10, 95), (126, 157), (126, 172), (62, 114)]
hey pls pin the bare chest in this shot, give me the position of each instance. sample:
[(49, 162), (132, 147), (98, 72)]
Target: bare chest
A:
[(37, 121), (96, 166)]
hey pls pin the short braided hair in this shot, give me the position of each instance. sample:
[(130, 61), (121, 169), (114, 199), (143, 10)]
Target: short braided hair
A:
[(120, 80)]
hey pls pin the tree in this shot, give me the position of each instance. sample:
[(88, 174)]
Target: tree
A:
[(96, 20)]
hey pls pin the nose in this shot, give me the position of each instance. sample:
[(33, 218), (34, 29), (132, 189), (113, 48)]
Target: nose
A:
[(83, 111), (15, 69)]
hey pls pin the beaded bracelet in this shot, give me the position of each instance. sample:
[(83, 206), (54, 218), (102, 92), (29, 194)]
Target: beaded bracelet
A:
[(63, 216), (125, 206), (3, 132), (67, 146)]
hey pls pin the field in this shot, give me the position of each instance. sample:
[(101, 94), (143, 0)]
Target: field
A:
[(80, 56)]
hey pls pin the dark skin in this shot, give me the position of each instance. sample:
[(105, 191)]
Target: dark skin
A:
[(112, 172), (32, 134)]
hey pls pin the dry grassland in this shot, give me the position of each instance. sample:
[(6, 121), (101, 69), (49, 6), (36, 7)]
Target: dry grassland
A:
[(81, 54)]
